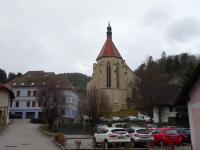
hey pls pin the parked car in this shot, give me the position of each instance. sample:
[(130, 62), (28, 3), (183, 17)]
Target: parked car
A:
[(166, 136), (172, 127), (110, 136), (131, 118), (99, 126), (103, 119), (144, 118), (116, 119), (120, 125), (185, 134), (151, 126), (140, 135)]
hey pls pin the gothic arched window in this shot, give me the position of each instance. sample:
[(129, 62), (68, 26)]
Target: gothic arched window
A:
[(108, 70), (117, 75)]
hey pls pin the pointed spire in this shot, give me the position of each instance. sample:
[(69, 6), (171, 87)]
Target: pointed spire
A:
[(109, 49), (109, 30)]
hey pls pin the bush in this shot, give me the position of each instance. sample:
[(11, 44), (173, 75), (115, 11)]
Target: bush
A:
[(60, 138)]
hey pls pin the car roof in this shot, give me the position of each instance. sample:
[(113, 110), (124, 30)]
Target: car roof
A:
[(119, 123), (135, 127), (111, 128)]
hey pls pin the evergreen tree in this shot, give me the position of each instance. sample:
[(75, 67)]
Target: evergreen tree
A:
[(3, 76), (176, 64), (11, 76)]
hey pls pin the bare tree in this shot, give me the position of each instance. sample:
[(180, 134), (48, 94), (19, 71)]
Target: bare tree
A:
[(50, 101), (98, 105)]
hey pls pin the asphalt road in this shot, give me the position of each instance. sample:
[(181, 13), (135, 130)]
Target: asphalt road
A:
[(23, 135)]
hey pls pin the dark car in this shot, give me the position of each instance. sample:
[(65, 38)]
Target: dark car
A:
[(185, 134)]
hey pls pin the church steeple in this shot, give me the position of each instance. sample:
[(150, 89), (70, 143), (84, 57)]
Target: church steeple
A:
[(109, 49), (109, 31)]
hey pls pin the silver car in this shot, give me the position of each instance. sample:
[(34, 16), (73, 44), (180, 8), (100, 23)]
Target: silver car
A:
[(110, 136), (140, 135)]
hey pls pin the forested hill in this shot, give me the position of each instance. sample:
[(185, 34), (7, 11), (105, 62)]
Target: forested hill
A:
[(161, 79), (168, 67), (78, 80)]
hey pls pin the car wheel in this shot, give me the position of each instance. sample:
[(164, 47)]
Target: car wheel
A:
[(106, 144), (94, 143), (161, 143), (132, 143)]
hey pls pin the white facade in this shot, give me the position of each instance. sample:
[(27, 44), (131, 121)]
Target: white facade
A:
[(166, 112), (26, 104)]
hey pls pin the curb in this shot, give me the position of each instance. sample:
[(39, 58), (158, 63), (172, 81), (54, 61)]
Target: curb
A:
[(59, 145), (78, 137)]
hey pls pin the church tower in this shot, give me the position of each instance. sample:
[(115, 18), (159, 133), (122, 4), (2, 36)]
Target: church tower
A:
[(112, 76)]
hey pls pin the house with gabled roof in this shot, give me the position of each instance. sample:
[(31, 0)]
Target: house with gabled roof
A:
[(26, 88)]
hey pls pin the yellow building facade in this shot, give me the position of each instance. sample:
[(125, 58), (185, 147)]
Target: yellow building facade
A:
[(113, 76)]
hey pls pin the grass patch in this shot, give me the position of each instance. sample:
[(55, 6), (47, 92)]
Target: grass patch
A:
[(45, 127), (124, 113)]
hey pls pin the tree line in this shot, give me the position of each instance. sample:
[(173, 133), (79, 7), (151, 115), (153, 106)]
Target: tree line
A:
[(4, 77), (162, 79)]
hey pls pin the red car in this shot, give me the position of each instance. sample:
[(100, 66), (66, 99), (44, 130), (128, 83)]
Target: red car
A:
[(166, 136)]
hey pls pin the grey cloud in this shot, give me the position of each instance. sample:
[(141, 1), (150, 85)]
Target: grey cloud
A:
[(67, 35), (183, 30)]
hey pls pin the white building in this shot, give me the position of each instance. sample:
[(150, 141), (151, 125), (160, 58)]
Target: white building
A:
[(26, 104)]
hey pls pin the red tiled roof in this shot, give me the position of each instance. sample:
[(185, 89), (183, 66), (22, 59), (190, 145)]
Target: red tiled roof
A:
[(109, 49)]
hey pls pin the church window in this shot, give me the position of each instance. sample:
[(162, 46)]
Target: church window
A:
[(117, 76), (108, 75)]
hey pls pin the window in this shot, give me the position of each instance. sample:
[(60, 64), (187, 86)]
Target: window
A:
[(28, 104), (117, 76), (108, 75), (18, 93), (17, 104), (33, 103), (29, 93), (34, 93)]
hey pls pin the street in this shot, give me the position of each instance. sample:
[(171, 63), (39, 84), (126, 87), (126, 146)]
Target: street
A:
[(23, 135)]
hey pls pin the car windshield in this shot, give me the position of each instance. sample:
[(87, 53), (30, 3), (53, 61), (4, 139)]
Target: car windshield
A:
[(171, 132), (143, 131), (119, 131)]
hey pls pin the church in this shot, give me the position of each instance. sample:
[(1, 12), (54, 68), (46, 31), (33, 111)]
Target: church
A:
[(112, 76)]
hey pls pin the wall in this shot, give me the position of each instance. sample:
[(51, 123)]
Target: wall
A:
[(4, 98), (194, 117), (116, 95)]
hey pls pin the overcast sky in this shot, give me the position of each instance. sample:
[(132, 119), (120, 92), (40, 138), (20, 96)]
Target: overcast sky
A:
[(67, 35)]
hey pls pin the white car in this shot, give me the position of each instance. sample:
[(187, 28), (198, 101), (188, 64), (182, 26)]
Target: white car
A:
[(144, 118), (132, 118), (140, 135), (115, 119), (119, 125), (111, 136)]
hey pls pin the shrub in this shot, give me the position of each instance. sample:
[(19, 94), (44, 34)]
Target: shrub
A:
[(60, 138)]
